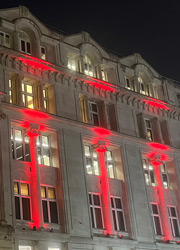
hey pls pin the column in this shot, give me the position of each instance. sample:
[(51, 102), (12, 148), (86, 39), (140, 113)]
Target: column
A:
[(106, 202), (33, 132), (162, 203)]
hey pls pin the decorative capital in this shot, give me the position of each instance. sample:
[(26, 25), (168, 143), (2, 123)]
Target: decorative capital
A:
[(33, 130), (100, 146)]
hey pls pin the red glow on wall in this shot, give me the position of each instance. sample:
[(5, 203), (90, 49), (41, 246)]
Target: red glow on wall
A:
[(156, 103), (102, 85), (101, 131), (156, 145), (35, 114)]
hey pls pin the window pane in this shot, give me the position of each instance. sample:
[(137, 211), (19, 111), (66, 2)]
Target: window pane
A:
[(118, 203), (51, 193), (46, 160), (24, 189), (154, 209), (95, 119), (92, 217), (87, 150), (28, 48), (110, 170), (173, 211), (26, 209), (45, 141), (30, 102), (18, 135), (29, 88), (53, 212), (109, 155), (19, 151), (27, 153), (176, 228), (45, 211), (98, 215), (22, 45), (112, 203), (114, 220), (157, 225), (43, 192), (16, 188), (96, 200), (17, 208), (121, 220)]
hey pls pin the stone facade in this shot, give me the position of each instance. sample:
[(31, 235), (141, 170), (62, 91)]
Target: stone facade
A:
[(90, 144)]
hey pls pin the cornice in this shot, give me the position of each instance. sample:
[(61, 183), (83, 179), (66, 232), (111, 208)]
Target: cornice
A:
[(54, 74)]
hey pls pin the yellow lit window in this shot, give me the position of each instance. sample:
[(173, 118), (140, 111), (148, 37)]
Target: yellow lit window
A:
[(43, 192), (51, 193), (24, 189)]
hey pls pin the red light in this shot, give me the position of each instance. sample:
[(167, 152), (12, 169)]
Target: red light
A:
[(156, 103), (158, 146), (101, 131), (34, 114)]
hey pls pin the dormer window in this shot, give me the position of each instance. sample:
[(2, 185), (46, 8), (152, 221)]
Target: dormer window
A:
[(141, 85), (4, 39), (25, 43), (88, 67)]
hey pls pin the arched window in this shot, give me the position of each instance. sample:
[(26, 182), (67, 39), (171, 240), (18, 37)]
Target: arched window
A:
[(143, 88), (25, 43), (88, 66)]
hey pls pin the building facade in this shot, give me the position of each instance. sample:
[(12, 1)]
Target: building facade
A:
[(89, 144)]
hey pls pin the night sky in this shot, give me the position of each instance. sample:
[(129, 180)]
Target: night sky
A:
[(151, 28)]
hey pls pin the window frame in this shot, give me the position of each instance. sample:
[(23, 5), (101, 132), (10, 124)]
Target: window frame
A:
[(21, 197), (93, 208), (26, 94), (110, 162), (150, 172), (92, 159), (40, 145), (165, 173), (92, 113), (43, 55), (3, 36), (116, 210), (149, 130), (24, 143), (88, 67), (171, 218), (48, 201), (158, 216)]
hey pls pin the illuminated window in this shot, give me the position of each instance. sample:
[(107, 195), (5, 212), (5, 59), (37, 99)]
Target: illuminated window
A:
[(104, 75), (174, 221), (4, 39), (118, 214), (110, 164), (165, 178), (88, 67), (92, 165), (43, 53), (22, 201), (49, 204), (149, 130), (96, 211), (127, 83), (94, 113), (156, 219), (25, 248), (148, 172), (27, 95), (20, 145), (72, 64), (50, 248), (141, 85), (10, 90), (25, 43), (45, 99), (43, 145)]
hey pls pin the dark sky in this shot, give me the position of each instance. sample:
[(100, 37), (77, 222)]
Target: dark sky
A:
[(151, 28)]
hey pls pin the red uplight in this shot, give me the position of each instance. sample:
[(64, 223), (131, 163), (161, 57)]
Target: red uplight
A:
[(158, 146), (101, 131), (102, 85), (34, 114), (157, 104)]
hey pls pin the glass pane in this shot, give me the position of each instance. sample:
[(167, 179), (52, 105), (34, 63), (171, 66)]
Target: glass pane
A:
[(96, 167), (95, 119), (92, 217), (17, 208), (22, 85), (16, 188), (90, 199), (121, 220), (112, 203), (53, 212), (44, 93), (109, 155), (154, 209), (19, 151), (51, 193), (157, 225), (45, 211), (87, 150), (43, 192), (114, 220), (27, 153), (22, 45), (118, 203), (26, 209), (29, 88), (28, 48), (176, 228), (94, 107), (96, 200), (94, 154), (18, 135), (111, 170), (45, 104), (46, 160), (45, 141), (24, 189), (30, 102), (98, 215), (10, 83), (23, 99), (173, 211)]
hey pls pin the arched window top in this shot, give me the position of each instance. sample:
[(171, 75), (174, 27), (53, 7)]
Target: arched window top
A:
[(25, 43)]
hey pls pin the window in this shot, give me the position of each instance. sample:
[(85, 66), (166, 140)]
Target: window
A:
[(49, 204), (92, 165), (43, 53), (88, 67), (20, 145), (10, 91), (148, 172), (27, 95), (156, 219), (104, 75), (4, 39), (127, 83), (96, 210), (25, 248), (174, 221), (50, 248), (149, 130), (164, 176), (45, 99), (22, 201), (110, 164), (118, 214), (72, 63), (43, 145), (94, 114), (25, 43)]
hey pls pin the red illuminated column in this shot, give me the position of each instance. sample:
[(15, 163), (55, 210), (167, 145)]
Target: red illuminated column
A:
[(32, 133), (162, 203), (106, 202)]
